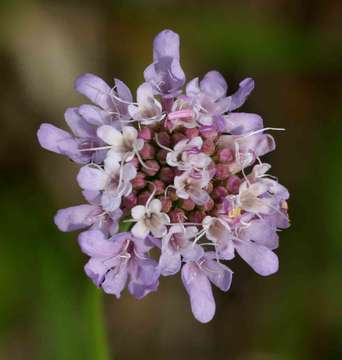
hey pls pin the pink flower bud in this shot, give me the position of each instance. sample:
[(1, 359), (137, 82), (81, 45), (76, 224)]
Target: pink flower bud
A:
[(209, 205), (167, 175), (145, 133), (233, 183), (161, 156), (177, 216), (226, 155), (143, 197), (152, 167), (208, 147), (191, 133), (166, 204), (209, 188), (177, 136), (196, 216), (172, 194), (164, 138), (187, 204), (139, 181), (219, 192), (130, 201), (222, 171), (157, 186), (147, 152)]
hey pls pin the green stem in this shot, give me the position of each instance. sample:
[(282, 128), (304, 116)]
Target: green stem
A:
[(97, 326)]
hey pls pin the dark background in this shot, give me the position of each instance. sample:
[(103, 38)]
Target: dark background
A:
[(293, 50)]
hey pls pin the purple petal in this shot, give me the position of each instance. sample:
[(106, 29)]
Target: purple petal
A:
[(76, 217), (94, 243), (110, 201), (91, 179), (214, 85), (95, 89), (169, 263), (144, 277), (93, 197), (218, 274), (166, 43), (115, 281), (166, 76), (261, 259), (77, 124), (51, 138), (199, 289), (261, 232), (123, 91), (94, 115), (246, 86), (96, 270), (241, 123)]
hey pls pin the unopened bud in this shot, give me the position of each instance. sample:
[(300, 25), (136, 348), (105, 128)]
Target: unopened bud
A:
[(177, 136), (145, 134), (222, 171), (161, 156), (196, 216), (166, 204), (187, 204), (139, 181), (167, 175), (208, 147), (233, 184), (157, 186), (219, 192), (151, 168), (143, 197), (130, 201), (226, 155), (177, 216), (164, 138), (148, 151)]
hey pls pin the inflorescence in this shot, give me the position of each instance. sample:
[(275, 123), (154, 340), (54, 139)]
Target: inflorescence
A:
[(179, 171)]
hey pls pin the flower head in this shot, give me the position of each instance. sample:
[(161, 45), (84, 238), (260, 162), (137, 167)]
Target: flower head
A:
[(179, 172)]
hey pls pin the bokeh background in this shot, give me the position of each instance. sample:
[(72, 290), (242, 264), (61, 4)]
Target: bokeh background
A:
[(293, 49)]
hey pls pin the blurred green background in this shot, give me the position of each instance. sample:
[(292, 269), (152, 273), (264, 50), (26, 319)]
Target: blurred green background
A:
[(293, 49)]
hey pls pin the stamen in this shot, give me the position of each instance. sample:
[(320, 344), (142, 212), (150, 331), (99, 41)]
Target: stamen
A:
[(259, 131), (180, 114), (97, 148)]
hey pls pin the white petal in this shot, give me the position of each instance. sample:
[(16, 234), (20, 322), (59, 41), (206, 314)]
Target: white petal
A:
[(129, 133), (110, 135), (140, 230), (138, 212), (155, 206)]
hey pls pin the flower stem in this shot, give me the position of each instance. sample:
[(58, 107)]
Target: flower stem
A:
[(97, 327)]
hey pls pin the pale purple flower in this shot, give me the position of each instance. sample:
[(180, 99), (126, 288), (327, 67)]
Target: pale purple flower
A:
[(197, 276), (148, 110), (187, 155), (111, 105), (118, 260), (149, 218), (172, 167), (75, 145), (192, 187), (165, 73), (90, 215), (114, 180), (176, 245)]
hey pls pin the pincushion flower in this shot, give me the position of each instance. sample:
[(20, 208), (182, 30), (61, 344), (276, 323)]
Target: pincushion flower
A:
[(180, 170)]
